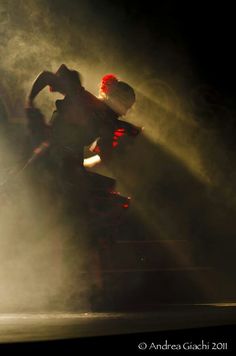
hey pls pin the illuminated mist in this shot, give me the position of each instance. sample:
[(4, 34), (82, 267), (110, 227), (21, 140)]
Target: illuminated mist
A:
[(187, 186)]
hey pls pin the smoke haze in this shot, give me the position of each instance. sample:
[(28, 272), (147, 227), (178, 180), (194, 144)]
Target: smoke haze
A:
[(187, 186)]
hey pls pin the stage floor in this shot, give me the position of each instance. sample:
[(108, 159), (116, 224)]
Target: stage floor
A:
[(24, 327)]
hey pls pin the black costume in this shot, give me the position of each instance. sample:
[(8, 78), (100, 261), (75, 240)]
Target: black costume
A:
[(79, 120)]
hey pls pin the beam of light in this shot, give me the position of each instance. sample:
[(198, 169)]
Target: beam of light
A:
[(173, 129)]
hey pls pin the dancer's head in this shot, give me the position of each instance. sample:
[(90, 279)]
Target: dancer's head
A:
[(68, 80), (119, 95)]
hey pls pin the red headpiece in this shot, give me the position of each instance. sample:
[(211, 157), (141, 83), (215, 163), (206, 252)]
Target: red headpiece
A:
[(108, 81)]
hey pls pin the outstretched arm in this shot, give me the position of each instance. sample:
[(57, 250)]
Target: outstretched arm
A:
[(36, 121), (44, 78)]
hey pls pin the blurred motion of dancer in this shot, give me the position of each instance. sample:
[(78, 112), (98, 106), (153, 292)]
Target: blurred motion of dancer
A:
[(82, 119)]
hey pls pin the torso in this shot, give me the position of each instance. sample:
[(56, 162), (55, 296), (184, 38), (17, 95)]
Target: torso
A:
[(80, 120)]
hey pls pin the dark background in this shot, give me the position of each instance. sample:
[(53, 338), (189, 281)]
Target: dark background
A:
[(204, 29)]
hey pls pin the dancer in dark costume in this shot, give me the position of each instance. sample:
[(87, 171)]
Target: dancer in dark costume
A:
[(81, 120)]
